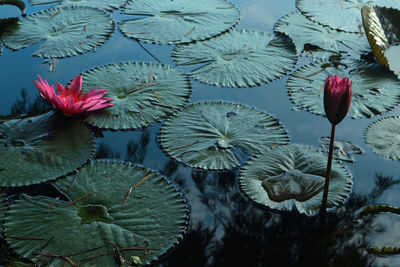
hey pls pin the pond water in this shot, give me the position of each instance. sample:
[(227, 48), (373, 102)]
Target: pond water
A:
[(226, 228)]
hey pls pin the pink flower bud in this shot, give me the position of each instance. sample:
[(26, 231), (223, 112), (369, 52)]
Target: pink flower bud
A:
[(337, 98)]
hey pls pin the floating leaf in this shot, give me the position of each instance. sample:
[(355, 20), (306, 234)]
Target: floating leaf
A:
[(293, 176), (374, 87), (340, 14), (66, 31), (151, 221), (376, 209), (102, 4), (178, 21), (383, 137), (238, 58), (307, 34), (342, 149), (143, 93), (42, 148), (211, 135)]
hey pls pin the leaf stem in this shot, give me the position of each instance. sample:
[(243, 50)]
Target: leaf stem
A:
[(328, 171)]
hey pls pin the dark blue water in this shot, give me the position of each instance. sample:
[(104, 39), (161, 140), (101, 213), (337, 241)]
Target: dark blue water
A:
[(226, 228)]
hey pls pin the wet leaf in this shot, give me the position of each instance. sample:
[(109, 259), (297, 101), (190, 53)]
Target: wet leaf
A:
[(42, 148), (139, 101), (153, 219), (293, 176), (66, 31), (102, 4), (342, 149), (214, 135), (178, 21)]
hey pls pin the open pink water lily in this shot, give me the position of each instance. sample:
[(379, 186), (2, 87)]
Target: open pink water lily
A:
[(70, 100), (337, 98)]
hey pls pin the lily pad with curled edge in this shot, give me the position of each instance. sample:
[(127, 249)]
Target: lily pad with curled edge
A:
[(342, 149), (114, 207), (342, 15), (66, 31), (178, 21), (293, 176), (143, 94), (238, 58), (308, 34), (383, 137), (374, 87), (102, 4), (42, 148), (211, 135)]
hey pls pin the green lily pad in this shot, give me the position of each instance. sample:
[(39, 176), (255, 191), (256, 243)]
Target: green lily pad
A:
[(212, 135), (151, 221), (374, 87), (383, 137), (102, 4), (342, 15), (178, 21), (143, 94), (42, 148), (66, 31), (293, 176), (238, 58), (305, 32), (342, 149)]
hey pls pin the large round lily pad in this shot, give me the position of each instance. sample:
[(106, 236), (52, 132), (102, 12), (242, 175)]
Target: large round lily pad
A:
[(374, 87), (66, 31), (42, 148), (214, 135), (383, 137), (102, 219), (143, 93), (340, 14), (293, 176), (102, 4), (178, 21), (325, 41), (238, 58)]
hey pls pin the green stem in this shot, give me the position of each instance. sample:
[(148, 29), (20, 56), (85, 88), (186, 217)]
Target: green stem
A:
[(328, 171)]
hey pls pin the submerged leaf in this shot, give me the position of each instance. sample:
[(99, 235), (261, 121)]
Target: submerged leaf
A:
[(342, 149), (374, 87), (66, 31), (102, 4), (178, 21), (293, 176), (143, 93), (42, 148), (238, 58), (214, 135), (153, 219)]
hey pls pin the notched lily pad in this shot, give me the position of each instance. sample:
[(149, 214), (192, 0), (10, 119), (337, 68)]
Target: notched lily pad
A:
[(178, 21), (144, 216), (293, 176), (102, 4), (66, 31), (216, 135), (342, 149), (238, 58), (143, 94), (383, 137), (374, 87)]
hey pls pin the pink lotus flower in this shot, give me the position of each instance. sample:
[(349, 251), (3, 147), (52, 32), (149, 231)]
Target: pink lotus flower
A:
[(337, 98), (70, 100)]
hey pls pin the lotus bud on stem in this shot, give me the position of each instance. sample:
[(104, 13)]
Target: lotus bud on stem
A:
[(337, 99)]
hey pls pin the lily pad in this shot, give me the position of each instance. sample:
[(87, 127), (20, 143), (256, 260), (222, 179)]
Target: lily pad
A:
[(212, 135), (66, 31), (238, 58), (342, 15), (100, 223), (178, 21), (293, 176), (383, 137), (143, 94), (42, 148), (326, 41), (102, 4), (342, 149), (374, 87)]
